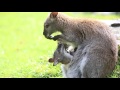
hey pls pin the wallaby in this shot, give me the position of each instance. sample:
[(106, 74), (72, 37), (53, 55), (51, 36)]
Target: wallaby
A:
[(73, 69), (95, 42), (74, 30), (63, 54)]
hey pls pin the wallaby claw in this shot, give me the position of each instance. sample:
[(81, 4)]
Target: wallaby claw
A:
[(50, 37)]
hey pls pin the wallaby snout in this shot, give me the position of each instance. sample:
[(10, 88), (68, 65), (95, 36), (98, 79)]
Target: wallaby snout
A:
[(47, 35), (44, 33), (51, 60), (55, 62)]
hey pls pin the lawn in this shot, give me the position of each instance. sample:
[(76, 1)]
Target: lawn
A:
[(24, 51)]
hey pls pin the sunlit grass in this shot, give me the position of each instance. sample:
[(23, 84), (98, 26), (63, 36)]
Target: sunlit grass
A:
[(24, 51)]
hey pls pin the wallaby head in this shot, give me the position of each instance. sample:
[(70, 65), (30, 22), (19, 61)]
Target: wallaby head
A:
[(62, 54), (49, 25)]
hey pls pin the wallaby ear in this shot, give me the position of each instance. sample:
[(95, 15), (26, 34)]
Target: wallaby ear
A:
[(53, 14)]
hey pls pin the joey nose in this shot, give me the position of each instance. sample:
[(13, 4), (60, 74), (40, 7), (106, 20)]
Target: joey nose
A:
[(51, 60)]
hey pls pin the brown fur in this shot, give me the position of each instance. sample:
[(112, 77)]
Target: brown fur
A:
[(93, 38)]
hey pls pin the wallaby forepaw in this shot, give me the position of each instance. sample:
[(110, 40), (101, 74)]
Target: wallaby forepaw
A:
[(56, 37)]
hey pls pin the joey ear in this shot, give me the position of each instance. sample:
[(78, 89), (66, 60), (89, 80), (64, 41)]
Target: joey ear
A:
[(53, 14)]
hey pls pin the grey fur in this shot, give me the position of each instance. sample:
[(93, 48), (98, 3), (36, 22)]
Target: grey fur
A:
[(64, 57), (61, 55), (72, 69), (97, 46)]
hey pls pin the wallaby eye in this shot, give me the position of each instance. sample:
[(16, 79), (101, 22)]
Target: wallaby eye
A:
[(46, 25)]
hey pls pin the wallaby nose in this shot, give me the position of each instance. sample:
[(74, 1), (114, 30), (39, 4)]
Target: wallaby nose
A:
[(51, 60)]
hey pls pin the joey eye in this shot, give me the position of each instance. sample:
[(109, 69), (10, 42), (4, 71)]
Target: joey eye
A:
[(47, 26)]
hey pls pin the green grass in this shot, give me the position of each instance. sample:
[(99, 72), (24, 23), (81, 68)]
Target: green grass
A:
[(24, 51)]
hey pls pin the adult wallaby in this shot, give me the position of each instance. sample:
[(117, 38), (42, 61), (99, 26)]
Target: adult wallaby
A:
[(95, 42)]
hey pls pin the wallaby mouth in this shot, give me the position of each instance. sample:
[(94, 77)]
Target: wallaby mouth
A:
[(55, 62), (47, 35)]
